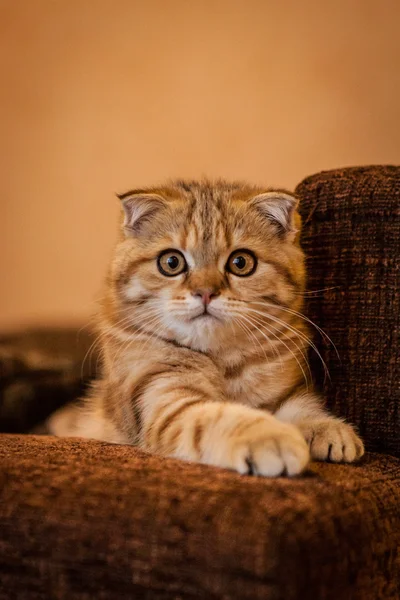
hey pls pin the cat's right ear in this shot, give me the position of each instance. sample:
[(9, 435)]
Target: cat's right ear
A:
[(139, 207)]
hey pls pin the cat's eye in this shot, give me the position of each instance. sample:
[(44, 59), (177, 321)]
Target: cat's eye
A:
[(171, 263), (241, 263)]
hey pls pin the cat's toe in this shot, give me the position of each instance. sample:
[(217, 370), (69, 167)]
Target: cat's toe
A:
[(334, 441), (283, 453), (257, 445), (353, 448), (296, 455), (268, 463)]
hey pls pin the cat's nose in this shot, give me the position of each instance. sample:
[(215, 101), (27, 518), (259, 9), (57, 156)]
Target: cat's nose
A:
[(206, 295)]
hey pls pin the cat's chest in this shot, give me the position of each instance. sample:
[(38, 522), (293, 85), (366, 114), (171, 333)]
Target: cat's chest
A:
[(251, 380)]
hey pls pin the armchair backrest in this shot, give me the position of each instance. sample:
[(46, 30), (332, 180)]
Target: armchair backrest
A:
[(351, 235)]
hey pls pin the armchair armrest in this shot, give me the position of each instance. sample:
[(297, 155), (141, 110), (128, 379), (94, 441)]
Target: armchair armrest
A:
[(351, 235)]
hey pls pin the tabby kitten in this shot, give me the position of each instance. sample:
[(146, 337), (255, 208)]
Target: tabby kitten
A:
[(203, 342)]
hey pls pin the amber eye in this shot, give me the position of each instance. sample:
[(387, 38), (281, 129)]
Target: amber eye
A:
[(171, 263), (241, 263)]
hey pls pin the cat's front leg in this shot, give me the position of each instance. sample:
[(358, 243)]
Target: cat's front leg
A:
[(186, 424), (251, 441), (328, 437)]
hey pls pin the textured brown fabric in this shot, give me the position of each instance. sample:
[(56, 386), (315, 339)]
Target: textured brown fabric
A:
[(40, 370), (352, 239), (84, 520)]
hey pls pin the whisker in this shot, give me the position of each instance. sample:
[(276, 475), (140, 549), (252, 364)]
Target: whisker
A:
[(300, 350), (108, 331), (246, 332), (274, 350), (127, 344), (294, 330), (247, 329), (95, 343), (150, 334), (287, 347), (112, 329), (301, 316), (311, 292), (91, 347), (90, 323)]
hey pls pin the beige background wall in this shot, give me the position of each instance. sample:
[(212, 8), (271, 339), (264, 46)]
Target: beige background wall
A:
[(101, 95)]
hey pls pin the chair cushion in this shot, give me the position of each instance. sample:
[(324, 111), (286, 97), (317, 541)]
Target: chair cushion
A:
[(351, 236), (40, 370), (83, 519)]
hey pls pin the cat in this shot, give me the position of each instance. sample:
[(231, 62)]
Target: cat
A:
[(203, 342)]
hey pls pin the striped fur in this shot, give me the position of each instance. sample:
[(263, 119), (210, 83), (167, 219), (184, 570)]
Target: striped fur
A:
[(232, 387)]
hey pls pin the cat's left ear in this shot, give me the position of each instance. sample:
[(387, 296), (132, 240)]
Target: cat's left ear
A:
[(139, 208), (280, 208)]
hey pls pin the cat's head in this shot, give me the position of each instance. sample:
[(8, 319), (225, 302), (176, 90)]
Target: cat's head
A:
[(195, 258)]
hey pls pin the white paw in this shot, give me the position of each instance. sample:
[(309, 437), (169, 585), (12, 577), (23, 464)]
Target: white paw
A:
[(257, 445), (331, 439)]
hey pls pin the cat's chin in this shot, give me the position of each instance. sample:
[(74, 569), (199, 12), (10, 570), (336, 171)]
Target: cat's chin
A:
[(203, 332), (204, 325)]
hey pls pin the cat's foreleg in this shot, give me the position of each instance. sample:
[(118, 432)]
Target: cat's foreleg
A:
[(184, 418), (328, 437)]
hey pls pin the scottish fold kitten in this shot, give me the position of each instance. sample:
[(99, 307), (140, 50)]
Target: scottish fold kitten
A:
[(203, 341)]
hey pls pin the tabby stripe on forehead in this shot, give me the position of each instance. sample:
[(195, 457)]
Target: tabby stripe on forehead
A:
[(186, 228), (190, 211), (228, 234)]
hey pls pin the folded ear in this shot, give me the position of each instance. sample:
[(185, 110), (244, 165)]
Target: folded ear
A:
[(139, 207), (280, 209)]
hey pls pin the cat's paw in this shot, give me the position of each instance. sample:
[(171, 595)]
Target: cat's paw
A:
[(333, 440), (260, 446)]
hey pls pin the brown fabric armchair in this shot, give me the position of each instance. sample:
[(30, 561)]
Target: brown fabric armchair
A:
[(82, 519)]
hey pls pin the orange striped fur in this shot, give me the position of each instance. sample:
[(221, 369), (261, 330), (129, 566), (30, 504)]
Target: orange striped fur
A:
[(204, 345)]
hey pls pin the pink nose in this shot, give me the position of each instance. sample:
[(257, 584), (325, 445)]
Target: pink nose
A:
[(205, 295)]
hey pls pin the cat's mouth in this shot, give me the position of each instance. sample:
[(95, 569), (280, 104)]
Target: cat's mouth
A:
[(205, 315)]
